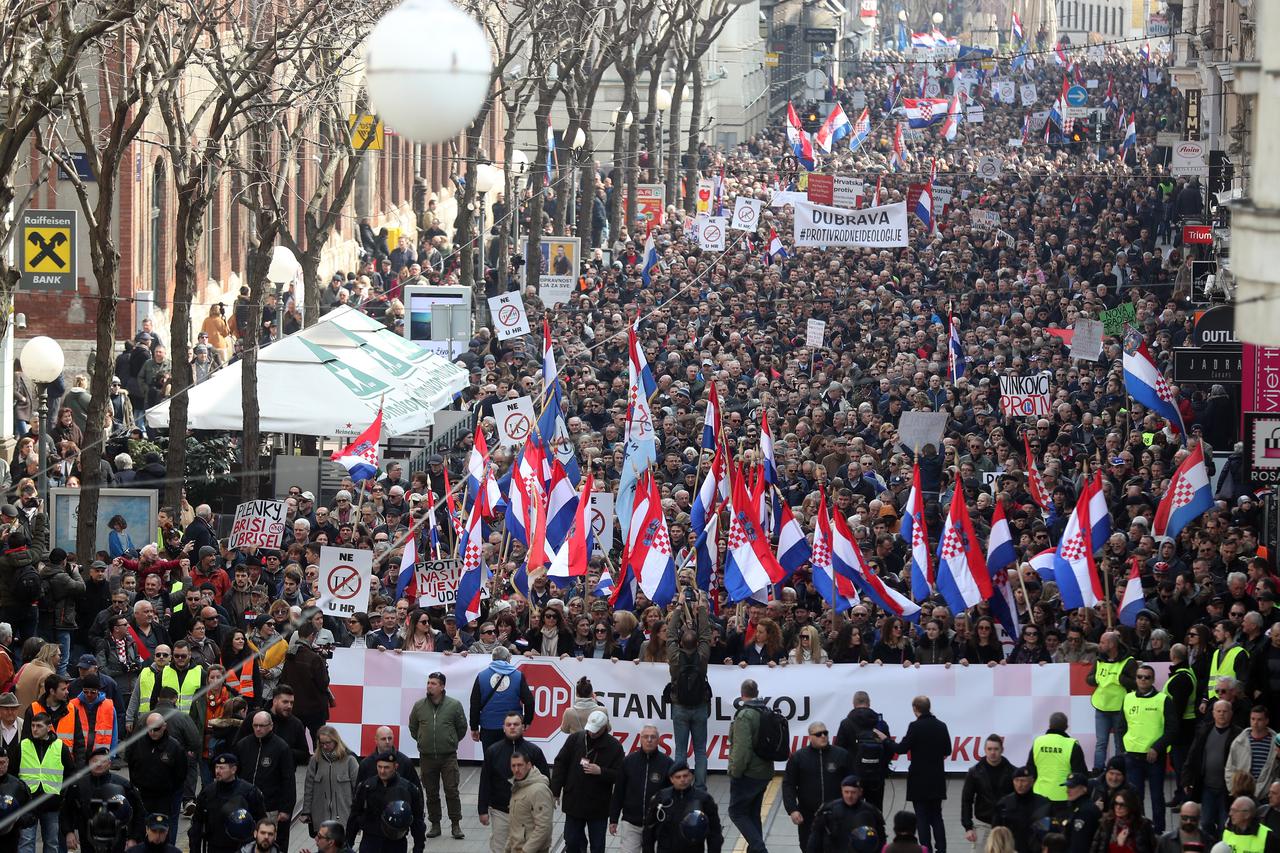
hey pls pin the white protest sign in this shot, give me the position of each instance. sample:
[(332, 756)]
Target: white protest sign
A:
[(1025, 396), (916, 429), (784, 197), (711, 234), (1091, 84), (1038, 119), (1097, 53), (1086, 339), (815, 333), (438, 583), (988, 479), (882, 227), (344, 580), (746, 213), (1028, 92), (989, 167), (858, 99), (602, 522), (988, 220), (846, 191), (1004, 91), (509, 317), (975, 114), (258, 524), (933, 88), (515, 420), (943, 194)]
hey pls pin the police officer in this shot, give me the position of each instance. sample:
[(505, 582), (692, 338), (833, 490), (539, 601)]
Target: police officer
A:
[(682, 818), (1021, 811), (159, 764), (1147, 719), (848, 824), (101, 789), (644, 773), (1054, 756), (212, 830), (267, 763), (1079, 816), (14, 794), (157, 837), (378, 799), (1112, 677), (812, 778)]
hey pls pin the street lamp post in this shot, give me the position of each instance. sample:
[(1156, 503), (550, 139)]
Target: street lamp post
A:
[(661, 102), (571, 212), (42, 361), (519, 171), (487, 178)]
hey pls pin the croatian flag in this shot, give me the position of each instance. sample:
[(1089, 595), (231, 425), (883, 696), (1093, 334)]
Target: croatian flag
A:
[(649, 261), (1043, 563), (482, 488), (801, 146), (944, 41), (1146, 384), (1130, 135), (711, 424), (604, 586), (407, 580), (835, 589), (962, 578), (475, 574), (526, 481), (649, 556), (640, 443), (570, 561), (1073, 565), (836, 127), (1026, 126), (898, 162), (776, 249), (360, 457), (1058, 109), (793, 548), (1132, 602), (922, 40), (624, 592), (1099, 514), (1000, 556), (1144, 52), (914, 532), (1035, 480), (1187, 498), (1060, 56), (1017, 29), (556, 442), (922, 112), (704, 516), (924, 207), (562, 504), (750, 563), (861, 130), (848, 562), (952, 123), (955, 351), (1109, 100)]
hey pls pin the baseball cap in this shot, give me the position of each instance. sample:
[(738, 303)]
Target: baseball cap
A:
[(1076, 780), (597, 722), (87, 662), (155, 820), (307, 496), (851, 781)]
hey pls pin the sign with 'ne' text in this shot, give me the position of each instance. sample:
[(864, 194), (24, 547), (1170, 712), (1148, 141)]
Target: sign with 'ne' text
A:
[(344, 580)]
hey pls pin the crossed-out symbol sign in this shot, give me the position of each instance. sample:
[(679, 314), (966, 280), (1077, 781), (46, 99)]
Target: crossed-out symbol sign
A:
[(597, 522), (44, 249), (711, 233), (748, 214), (344, 582), (509, 316), (517, 426)]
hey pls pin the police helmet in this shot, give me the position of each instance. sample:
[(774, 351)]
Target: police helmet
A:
[(865, 839), (240, 825), (694, 826), (396, 819)]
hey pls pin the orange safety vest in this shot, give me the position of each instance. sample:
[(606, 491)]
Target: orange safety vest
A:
[(104, 722), (240, 679), (64, 727)]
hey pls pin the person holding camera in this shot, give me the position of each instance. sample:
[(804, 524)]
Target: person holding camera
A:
[(688, 653), (62, 587)]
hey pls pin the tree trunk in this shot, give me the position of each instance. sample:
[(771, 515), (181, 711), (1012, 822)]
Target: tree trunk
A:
[(566, 175), (586, 186), (695, 119), (538, 177), (310, 263), (510, 194), (632, 171), (652, 142), (251, 450), (463, 224), (672, 164), (189, 228)]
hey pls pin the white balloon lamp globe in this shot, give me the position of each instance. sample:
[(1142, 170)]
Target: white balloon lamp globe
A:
[(284, 265), (427, 67), (42, 359), (662, 100)]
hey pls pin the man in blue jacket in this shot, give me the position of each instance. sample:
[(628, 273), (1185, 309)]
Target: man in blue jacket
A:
[(500, 689)]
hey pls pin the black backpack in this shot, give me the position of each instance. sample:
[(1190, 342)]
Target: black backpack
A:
[(868, 755), (773, 735), (27, 585), (691, 688)]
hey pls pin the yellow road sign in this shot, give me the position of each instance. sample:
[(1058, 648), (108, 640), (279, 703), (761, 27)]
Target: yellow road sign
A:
[(361, 126)]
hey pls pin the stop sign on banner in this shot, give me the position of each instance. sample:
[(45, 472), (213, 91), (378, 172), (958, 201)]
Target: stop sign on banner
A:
[(509, 317)]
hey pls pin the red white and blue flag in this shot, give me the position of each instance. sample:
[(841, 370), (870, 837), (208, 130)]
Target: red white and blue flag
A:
[(914, 532), (1146, 384), (648, 554), (475, 573), (962, 577), (482, 487), (750, 563), (801, 146), (955, 351), (1132, 602), (922, 112), (847, 561), (360, 457), (776, 249), (1001, 555), (952, 123), (793, 548), (1017, 29), (570, 560), (836, 127), (835, 589), (898, 162), (407, 579), (1073, 566), (1187, 498)]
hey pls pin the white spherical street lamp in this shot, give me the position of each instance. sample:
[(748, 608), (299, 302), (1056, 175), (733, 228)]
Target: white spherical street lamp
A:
[(937, 17), (284, 266), (519, 163), (427, 69), (662, 100), (488, 178), (42, 359)]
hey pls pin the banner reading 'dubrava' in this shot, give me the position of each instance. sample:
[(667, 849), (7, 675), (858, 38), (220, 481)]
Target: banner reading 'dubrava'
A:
[(883, 227)]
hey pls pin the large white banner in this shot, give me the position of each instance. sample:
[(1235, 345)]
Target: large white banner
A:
[(875, 227), (372, 689)]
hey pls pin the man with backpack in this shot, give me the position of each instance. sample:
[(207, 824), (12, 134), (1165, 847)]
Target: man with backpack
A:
[(755, 743), (688, 653), (869, 757)]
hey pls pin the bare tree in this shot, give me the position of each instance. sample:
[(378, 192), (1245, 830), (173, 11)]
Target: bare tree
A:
[(707, 28), (109, 98), (42, 43)]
